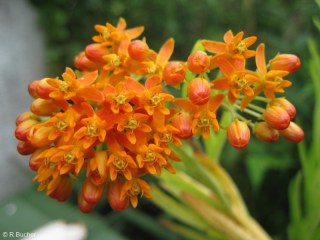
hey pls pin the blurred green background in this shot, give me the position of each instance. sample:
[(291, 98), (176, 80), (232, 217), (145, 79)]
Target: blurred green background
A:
[(262, 171)]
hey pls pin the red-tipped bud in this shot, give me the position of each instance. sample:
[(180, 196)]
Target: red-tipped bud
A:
[(64, 189), (44, 89), (95, 52), (277, 117), (174, 73), (266, 133), (25, 148), (39, 137), (82, 62), (183, 122), (286, 62), (92, 193), (286, 105), (43, 107), (198, 62), (26, 116), (199, 91), (138, 50), (22, 130), (293, 133), (32, 88), (238, 134), (113, 195), (83, 205), (34, 161)]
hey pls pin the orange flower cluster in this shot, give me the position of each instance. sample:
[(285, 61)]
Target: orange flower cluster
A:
[(114, 120)]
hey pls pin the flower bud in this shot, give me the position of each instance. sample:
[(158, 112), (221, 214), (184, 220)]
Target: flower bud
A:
[(44, 89), (34, 160), (92, 193), (286, 105), (39, 136), (22, 130), (43, 107), (82, 62), (95, 52), (113, 195), (138, 50), (277, 117), (183, 122), (64, 189), (293, 133), (199, 91), (286, 62), (26, 116), (266, 133), (83, 205), (174, 73), (32, 88), (238, 134), (25, 148), (198, 62)]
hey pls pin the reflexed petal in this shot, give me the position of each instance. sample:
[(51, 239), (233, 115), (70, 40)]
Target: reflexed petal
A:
[(213, 46), (165, 52)]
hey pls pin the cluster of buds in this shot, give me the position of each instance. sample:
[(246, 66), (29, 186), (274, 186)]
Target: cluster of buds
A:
[(114, 120)]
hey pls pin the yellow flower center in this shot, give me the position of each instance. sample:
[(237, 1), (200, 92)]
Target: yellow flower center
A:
[(61, 125), (152, 69), (278, 80), (132, 123), (69, 157), (115, 61), (119, 163), (241, 82), (120, 98), (167, 137), (150, 156), (92, 130), (64, 86), (135, 188), (204, 122), (106, 34), (156, 99), (241, 47)]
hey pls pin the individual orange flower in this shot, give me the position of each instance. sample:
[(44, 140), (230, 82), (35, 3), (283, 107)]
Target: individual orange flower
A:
[(110, 35), (97, 169), (158, 61), (153, 100), (71, 86), (133, 188), (270, 81), (94, 128), (121, 164), (131, 123), (151, 159), (235, 81), (118, 97), (234, 48), (165, 134), (204, 116)]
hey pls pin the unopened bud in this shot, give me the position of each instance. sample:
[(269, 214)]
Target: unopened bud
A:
[(285, 62), (83, 205), (199, 91), (277, 117), (198, 62), (183, 122), (293, 133), (238, 134), (95, 52), (25, 148), (113, 195), (286, 105), (138, 50), (174, 73), (92, 193), (266, 133), (83, 63)]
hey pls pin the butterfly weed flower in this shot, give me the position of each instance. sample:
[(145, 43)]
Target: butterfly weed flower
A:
[(114, 119)]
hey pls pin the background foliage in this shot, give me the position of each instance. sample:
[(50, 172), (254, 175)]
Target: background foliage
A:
[(284, 25)]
